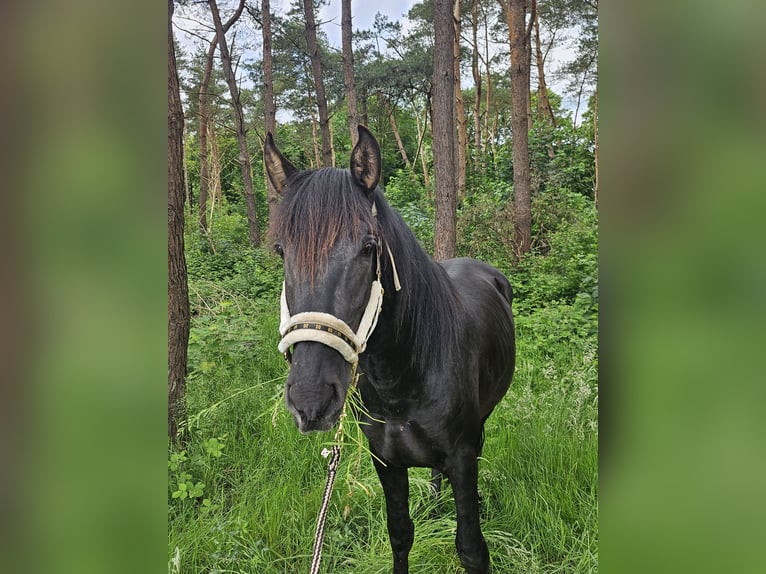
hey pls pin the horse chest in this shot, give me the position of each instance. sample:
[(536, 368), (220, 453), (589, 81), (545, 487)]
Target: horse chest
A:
[(402, 443)]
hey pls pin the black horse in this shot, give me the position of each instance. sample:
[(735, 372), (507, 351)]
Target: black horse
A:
[(434, 361)]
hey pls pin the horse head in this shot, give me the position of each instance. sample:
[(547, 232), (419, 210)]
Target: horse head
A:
[(326, 233)]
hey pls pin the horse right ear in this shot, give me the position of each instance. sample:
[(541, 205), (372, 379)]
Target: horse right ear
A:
[(277, 165), (365, 160)]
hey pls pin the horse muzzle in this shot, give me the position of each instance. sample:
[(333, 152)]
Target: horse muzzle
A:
[(315, 402)]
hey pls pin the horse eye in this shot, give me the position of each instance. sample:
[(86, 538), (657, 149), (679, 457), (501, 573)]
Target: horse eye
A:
[(278, 249), (369, 247)]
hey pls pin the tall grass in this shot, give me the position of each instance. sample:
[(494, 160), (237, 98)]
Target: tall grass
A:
[(252, 484), (261, 494)]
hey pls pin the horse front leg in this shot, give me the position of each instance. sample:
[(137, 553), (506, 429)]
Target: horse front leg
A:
[(471, 546), (401, 530)]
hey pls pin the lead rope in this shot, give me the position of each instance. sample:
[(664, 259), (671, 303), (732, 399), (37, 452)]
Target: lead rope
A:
[(332, 470), (365, 330)]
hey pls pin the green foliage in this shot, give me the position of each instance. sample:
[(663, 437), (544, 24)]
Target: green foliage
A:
[(407, 195), (563, 264)]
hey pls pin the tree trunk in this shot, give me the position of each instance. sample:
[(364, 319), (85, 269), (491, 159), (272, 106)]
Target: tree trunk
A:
[(488, 95), (595, 145), (187, 191), (269, 106), (363, 108), (178, 289), (543, 103), (476, 83), (348, 71), (316, 67), (216, 193), (315, 138), (462, 132), (395, 128), (515, 12), (443, 122), (528, 91), (205, 119), (420, 152), (239, 121)]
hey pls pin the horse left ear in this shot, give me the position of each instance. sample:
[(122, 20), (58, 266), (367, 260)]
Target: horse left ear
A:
[(365, 160)]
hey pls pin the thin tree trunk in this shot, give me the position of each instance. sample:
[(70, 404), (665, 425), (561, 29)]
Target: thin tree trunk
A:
[(204, 119), (462, 132), (476, 83), (215, 169), (269, 106), (443, 122), (316, 67), (348, 71), (332, 142), (395, 128), (239, 121), (515, 12), (595, 144), (543, 103), (178, 289), (488, 95), (420, 152), (528, 53), (315, 135), (363, 108), (187, 191)]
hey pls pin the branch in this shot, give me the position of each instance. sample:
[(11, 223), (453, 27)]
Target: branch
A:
[(533, 15)]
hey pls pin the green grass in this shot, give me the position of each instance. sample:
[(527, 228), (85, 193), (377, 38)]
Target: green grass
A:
[(537, 477)]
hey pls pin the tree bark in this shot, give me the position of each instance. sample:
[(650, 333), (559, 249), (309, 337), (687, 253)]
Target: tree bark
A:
[(443, 122), (395, 128), (178, 289), (462, 132), (316, 67), (476, 83), (515, 13), (205, 119), (348, 71), (543, 103), (269, 106), (239, 121)]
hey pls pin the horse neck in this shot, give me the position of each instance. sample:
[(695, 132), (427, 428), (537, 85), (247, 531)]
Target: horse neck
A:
[(417, 322)]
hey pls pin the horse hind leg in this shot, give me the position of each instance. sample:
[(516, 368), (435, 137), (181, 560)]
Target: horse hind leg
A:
[(436, 490), (436, 483), (471, 546)]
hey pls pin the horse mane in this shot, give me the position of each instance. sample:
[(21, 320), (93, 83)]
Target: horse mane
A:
[(427, 301), (324, 206)]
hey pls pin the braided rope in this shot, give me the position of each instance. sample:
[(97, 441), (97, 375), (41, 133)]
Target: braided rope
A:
[(332, 470)]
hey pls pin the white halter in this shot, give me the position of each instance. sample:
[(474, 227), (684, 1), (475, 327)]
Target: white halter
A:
[(328, 329)]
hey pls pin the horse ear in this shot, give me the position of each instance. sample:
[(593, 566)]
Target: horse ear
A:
[(365, 160), (277, 165)]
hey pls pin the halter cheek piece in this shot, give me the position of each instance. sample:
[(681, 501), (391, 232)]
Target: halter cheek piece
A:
[(328, 329)]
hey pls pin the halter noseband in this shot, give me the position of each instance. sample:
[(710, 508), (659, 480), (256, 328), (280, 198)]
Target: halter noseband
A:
[(330, 330)]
